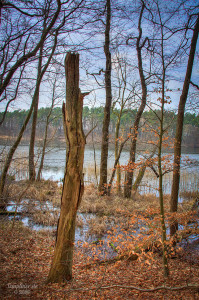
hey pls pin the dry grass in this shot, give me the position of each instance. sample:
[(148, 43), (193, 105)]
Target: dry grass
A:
[(19, 167), (191, 201), (79, 221), (93, 202), (117, 211), (190, 194), (116, 205), (46, 218), (108, 212), (42, 191), (189, 180), (97, 226)]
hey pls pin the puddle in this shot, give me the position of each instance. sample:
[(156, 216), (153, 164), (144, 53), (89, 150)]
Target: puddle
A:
[(25, 213), (27, 206), (28, 222)]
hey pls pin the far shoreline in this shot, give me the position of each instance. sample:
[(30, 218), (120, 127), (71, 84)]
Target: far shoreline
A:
[(60, 143)]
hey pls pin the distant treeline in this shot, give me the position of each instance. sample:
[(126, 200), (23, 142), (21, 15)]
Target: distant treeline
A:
[(93, 117)]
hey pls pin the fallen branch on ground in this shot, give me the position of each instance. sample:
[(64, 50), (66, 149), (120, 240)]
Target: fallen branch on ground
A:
[(130, 287)]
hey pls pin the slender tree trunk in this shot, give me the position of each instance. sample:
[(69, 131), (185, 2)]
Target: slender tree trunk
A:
[(43, 151), (115, 165), (61, 268), (118, 146), (161, 196), (161, 200), (118, 151), (118, 172), (142, 171), (94, 153), (129, 173), (3, 201), (160, 144), (139, 178), (179, 129), (32, 172), (46, 135), (40, 74), (107, 109)]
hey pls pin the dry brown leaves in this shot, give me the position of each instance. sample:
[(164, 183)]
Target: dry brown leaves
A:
[(25, 258)]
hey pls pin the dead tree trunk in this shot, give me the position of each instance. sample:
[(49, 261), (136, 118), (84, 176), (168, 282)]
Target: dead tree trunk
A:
[(73, 186), (179, 129)]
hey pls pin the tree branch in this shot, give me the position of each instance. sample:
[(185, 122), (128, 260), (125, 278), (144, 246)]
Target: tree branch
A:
[(195, 85)]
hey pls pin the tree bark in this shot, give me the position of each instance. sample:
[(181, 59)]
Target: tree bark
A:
[(107, 109), (179, 130), (73, 186)]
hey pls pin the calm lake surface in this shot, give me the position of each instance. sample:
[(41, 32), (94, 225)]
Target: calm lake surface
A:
[(55, 158)]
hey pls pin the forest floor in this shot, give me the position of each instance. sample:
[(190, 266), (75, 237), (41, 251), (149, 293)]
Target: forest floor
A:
[(135, 273)]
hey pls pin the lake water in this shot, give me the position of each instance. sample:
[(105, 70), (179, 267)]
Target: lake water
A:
[(54, 166), (55, 158)]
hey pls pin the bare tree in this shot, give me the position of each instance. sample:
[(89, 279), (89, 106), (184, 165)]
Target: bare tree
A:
[(40, 73), (18, 140), (45, 141), (32, 173), (107, 109), (179, 128), (125, 94), (160, 145), (124, 99), (12, 60), (140, 44)]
